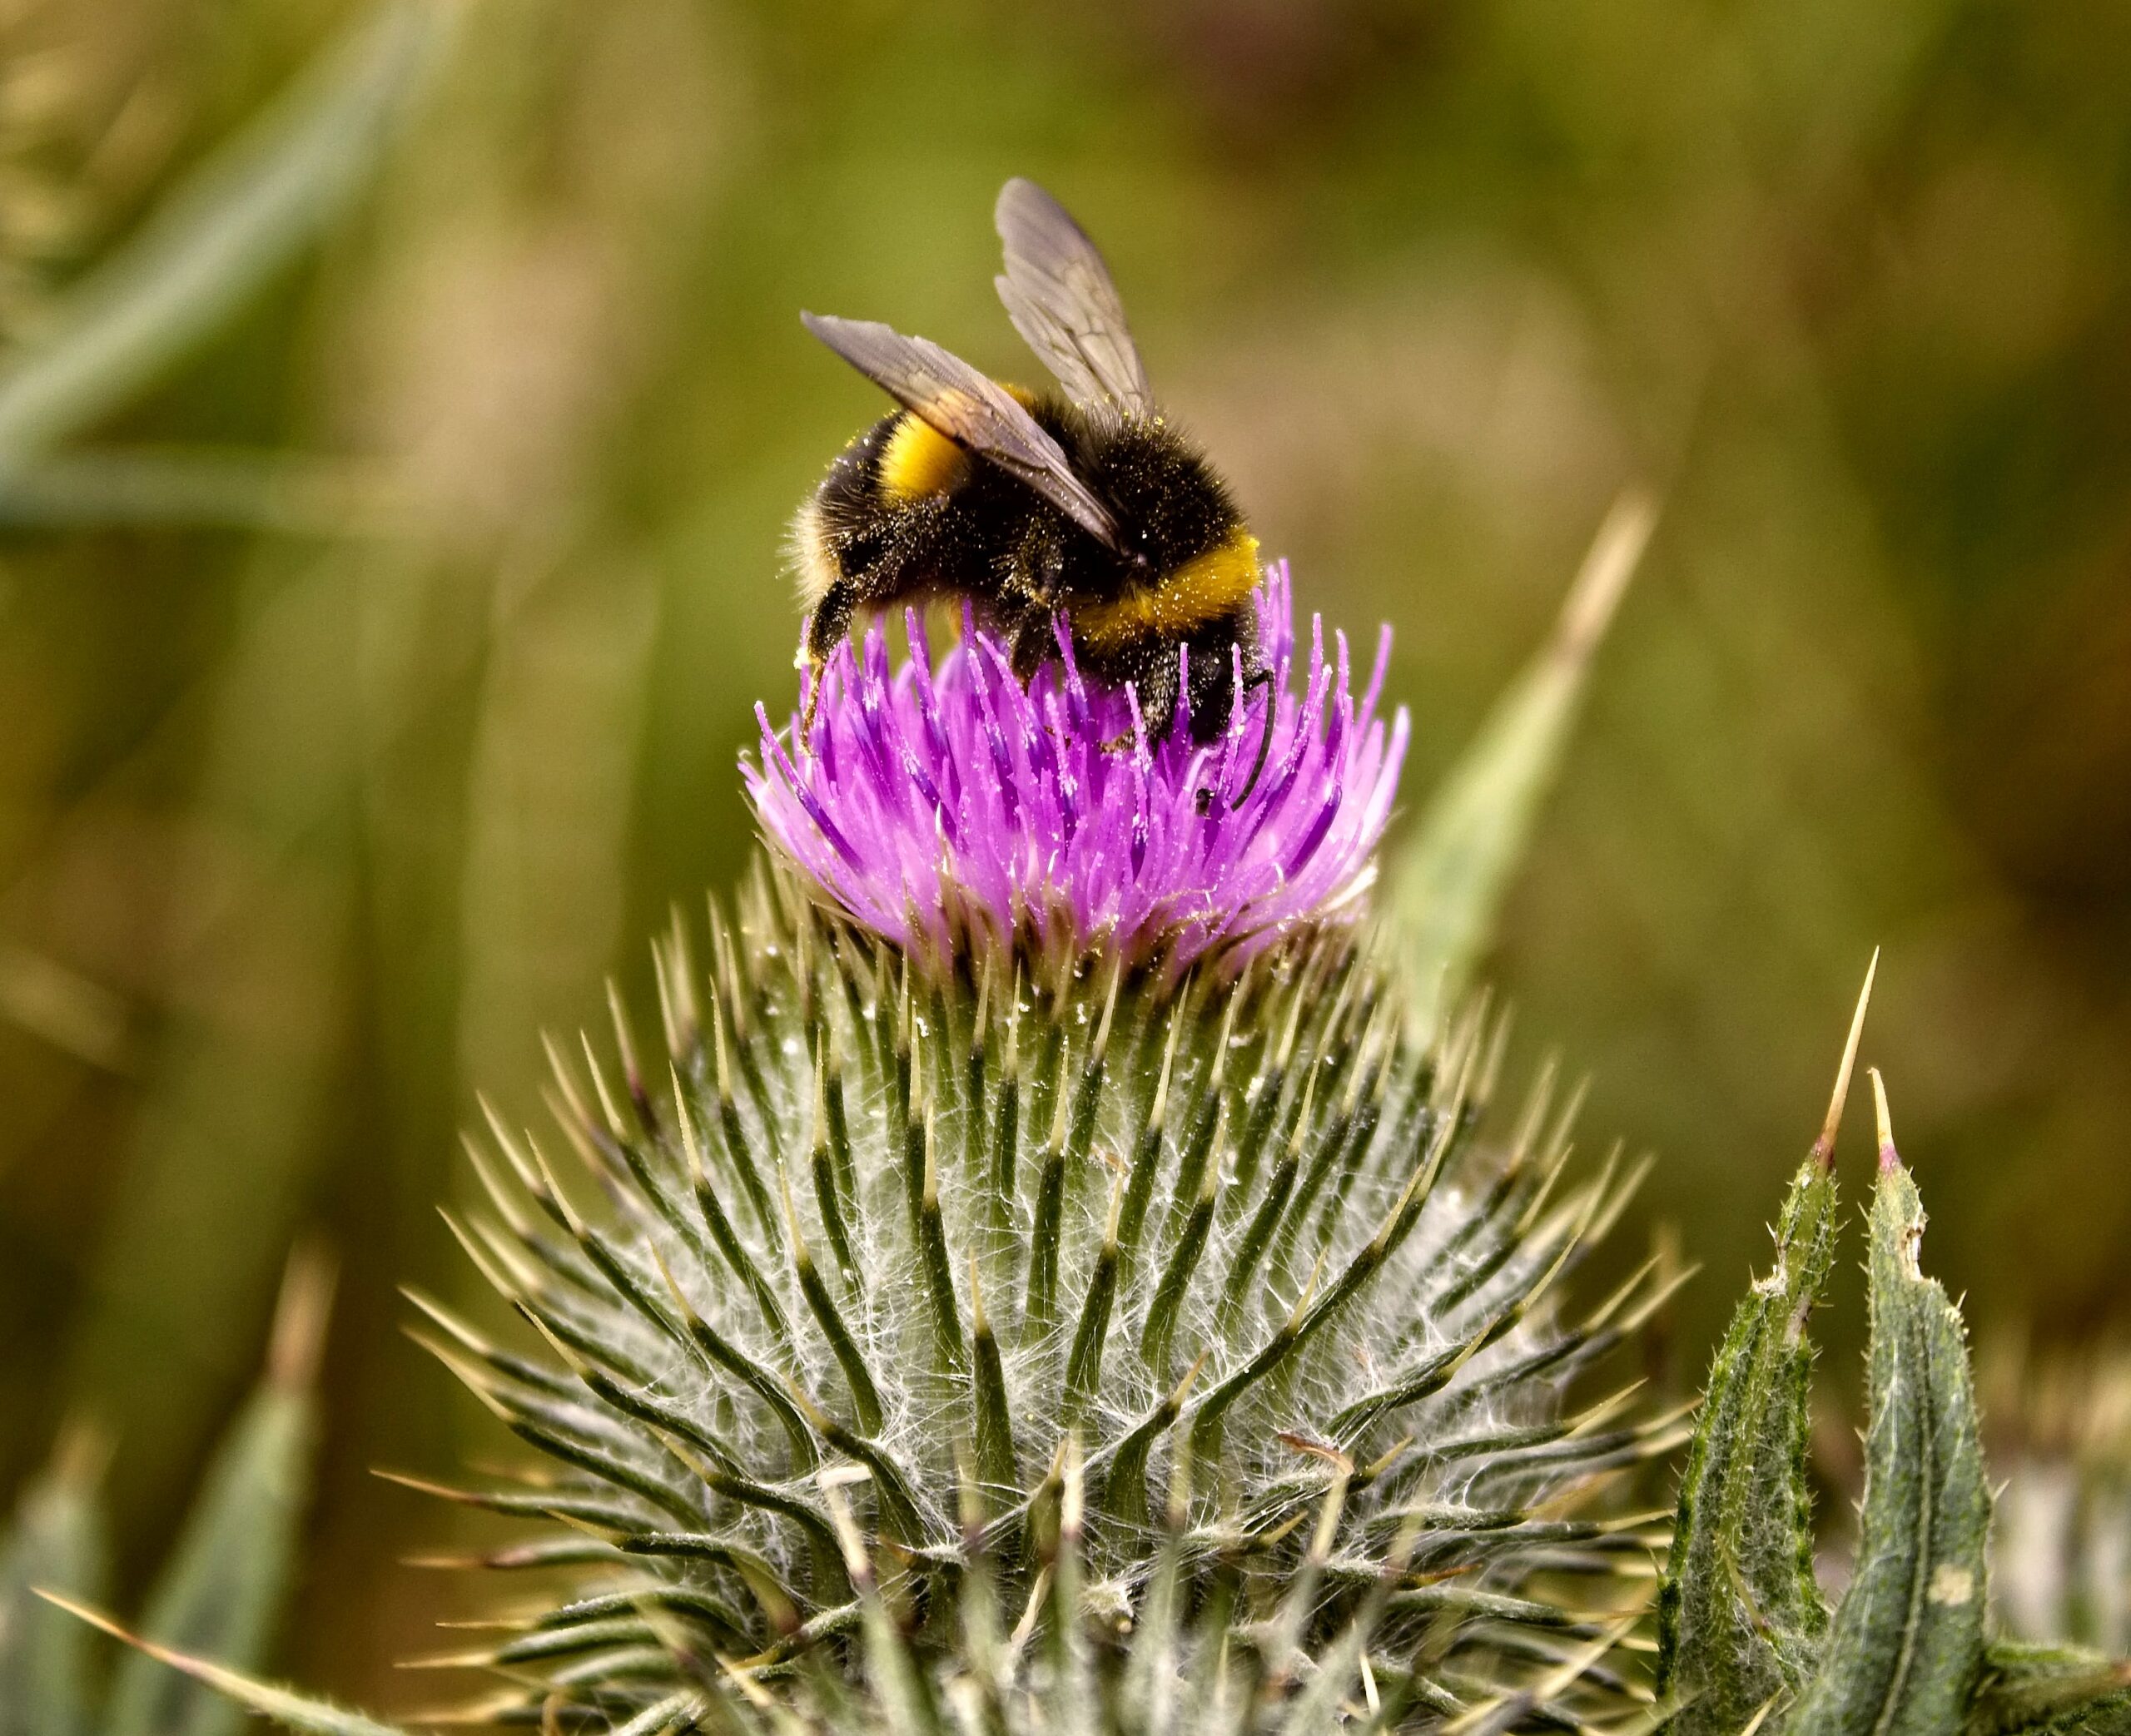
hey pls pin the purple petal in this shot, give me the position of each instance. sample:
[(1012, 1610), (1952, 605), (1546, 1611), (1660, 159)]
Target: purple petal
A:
[(944, 806)]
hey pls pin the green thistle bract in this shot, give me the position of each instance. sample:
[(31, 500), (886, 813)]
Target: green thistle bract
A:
[(879, 1238)]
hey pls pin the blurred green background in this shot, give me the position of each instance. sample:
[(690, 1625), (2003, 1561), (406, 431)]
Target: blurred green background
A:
[(372, 673)]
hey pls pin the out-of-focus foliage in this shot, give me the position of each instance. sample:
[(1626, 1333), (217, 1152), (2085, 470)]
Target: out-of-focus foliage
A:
[(304, 830), (2061, 1437), (225, 1588), (1465, 851)]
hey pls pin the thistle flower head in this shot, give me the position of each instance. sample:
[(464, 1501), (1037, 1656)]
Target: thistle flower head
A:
[(1229, 1276), (1048, 1209), (949, 808)]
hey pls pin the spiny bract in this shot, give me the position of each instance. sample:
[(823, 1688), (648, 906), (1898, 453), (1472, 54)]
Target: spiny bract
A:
[(1177, 1673), (879, 1238)]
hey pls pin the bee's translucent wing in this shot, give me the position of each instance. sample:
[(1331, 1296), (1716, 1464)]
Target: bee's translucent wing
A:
[(969, 407), (1059, 295)]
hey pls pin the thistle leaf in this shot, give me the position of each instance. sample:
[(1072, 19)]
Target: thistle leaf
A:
[(221, 1592), (1906, 1647), (1467, 845), (57, 1543), (1740, 1617), (221, 234)]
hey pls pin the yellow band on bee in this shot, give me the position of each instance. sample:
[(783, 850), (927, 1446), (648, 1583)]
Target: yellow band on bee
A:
[(918, 460), (1204, 588)]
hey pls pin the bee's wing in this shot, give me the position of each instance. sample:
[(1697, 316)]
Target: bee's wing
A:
[(1059, 295), (971, 409)]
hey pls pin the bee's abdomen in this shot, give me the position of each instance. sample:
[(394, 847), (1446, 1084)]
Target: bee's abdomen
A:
[(1208, 587), (843, 509), (900, 513)]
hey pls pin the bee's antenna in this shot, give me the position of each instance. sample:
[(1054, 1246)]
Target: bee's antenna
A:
[(1263, 678)]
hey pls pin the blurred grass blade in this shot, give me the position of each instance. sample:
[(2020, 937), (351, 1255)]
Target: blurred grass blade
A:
[(232, 1121), (1449, 883), (221, 1594), (220, 234), (281, 491), (292, 1711), (56, 1542), (1739, 1616), (70, 1011), (1905, 1651)]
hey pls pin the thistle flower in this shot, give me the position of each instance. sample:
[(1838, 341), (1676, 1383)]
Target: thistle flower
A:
[(1046, 1186), (960, 815)]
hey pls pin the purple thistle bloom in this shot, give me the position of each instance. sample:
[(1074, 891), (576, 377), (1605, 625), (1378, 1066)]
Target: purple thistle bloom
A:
[(951, 810)]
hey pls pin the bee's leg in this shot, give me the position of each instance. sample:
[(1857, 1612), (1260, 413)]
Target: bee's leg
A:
[(1210, 688), (830, 624), (1025, 598), (1159, 679), (1226, 669), (827, 627), (1035, 569), (1032, 640)]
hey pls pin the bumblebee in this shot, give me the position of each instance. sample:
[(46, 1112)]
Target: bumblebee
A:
[(1083, 509)]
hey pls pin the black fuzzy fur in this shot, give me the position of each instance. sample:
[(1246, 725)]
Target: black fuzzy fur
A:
[(993, 538)]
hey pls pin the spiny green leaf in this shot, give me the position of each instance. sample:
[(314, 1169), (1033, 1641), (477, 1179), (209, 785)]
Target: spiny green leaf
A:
[(1466, 847), (57, 1544), (220, 1594), (1902, 1656), (1740, 1618), (1740, 1615), (292, 1711), (220, 235)]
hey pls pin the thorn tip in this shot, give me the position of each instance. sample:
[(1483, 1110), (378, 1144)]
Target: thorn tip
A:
[(1889, 1158), (1824, 1146)]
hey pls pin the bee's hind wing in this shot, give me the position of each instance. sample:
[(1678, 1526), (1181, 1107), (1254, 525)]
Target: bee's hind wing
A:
[(1060, 297), (968, 407)]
